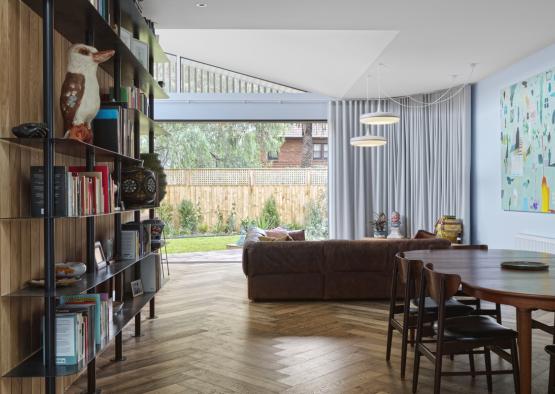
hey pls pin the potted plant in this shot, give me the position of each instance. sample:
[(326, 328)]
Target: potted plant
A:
[(380, 225)]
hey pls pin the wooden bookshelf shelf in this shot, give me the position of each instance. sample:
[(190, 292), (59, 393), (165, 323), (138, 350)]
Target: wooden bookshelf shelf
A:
[(86, 283), (34, 366), (73, 148), (70, 20), (145, 123), (129, 210)]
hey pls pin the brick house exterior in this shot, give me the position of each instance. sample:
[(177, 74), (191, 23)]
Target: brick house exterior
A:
[(290, 153)]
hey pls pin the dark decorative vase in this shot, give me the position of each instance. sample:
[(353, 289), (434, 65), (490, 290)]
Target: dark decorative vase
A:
[(138, 186), (152, 162)]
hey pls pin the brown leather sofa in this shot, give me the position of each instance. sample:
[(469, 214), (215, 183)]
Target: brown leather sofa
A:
[(325, 270)]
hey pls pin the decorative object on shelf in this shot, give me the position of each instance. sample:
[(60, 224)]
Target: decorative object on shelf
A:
[(380, 225), (449, 227), (156, 229), (31, 130), (99, 258), (70, 269), (395, 232), (80, 95), (140, 50), (152, 162), (117, 307), (63, 282), (126, 36), (108, 247), (138, 186), (525, 265), (137, 288)]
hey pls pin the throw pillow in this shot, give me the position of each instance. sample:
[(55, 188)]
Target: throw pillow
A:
[(274, 239), (276, 232), (297, 235)]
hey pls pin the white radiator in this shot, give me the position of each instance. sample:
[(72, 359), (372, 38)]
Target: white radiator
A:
[(535, 243)]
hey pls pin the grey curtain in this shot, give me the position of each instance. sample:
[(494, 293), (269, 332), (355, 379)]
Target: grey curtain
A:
[(423, 172)]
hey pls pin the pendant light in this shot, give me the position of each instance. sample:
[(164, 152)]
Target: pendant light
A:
[(378, 118)]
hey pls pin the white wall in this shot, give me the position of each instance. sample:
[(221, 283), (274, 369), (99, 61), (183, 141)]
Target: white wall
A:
[(490, 224)]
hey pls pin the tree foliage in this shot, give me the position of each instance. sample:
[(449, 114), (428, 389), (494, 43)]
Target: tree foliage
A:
[(218, 145)]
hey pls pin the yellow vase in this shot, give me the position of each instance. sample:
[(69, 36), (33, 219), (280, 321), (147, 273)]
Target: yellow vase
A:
[(545, 195)]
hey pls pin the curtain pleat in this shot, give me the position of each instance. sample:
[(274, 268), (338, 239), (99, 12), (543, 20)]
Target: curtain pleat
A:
[(423, 172)]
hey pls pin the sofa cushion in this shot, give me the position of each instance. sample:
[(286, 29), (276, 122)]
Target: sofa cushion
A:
[(265, 258)]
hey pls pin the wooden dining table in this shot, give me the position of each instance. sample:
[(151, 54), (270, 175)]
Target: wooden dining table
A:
[(482, 277)]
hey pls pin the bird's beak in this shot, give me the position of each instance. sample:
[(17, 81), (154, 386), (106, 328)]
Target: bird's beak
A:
[(102, 56)]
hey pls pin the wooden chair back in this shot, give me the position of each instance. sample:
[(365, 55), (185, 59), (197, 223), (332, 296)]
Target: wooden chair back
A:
[(409, 274), (441, 286)]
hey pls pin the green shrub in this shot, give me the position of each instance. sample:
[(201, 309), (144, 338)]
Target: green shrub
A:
[(219, 228), (246, 224), (166, 213), (269, 217), (189, 217), (316, 219), (231, 222), (203, 228)]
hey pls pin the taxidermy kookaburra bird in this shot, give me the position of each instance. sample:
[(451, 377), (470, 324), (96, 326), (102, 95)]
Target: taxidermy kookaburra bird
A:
[(80, 97)]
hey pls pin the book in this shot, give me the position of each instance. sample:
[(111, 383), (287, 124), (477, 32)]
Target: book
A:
[(87, 311), (130, 245), (107, 128), (37, 191), (66, 339), (92, 299), (106, 183)]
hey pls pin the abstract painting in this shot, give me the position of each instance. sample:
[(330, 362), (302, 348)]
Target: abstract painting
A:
[(528, 144)]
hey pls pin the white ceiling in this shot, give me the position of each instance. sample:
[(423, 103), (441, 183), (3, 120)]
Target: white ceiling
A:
[(330, 46)]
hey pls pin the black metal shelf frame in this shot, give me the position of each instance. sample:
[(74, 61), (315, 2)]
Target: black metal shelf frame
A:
[(78, 20)]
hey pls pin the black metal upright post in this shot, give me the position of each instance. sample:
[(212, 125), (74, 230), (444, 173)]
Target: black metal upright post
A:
[(49, 272), (119, 290), (90, 237), (152, 304)]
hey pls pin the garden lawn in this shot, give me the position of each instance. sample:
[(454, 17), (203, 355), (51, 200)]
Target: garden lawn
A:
[(200, 244)]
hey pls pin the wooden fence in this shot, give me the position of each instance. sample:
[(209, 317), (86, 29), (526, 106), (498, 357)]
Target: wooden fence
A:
[(247, 190)]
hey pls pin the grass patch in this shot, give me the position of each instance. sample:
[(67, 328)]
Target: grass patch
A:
[(200, 244)]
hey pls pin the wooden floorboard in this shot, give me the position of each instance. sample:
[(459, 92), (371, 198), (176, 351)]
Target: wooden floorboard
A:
[(209, 338)]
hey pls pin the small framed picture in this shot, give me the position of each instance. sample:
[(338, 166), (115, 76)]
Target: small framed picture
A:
[(136, 287), (99, 257), (140, 50), (125, 36)]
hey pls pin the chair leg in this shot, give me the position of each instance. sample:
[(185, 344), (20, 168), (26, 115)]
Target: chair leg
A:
[(487, 356), (415, 369), (437, 374), (389, 340), (404, 343), (551, 388), (498, 313), (471, 362), (412, 336), (516, 369)]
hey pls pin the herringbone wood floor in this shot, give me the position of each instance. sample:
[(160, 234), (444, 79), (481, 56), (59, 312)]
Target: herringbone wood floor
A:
[(210, 339)]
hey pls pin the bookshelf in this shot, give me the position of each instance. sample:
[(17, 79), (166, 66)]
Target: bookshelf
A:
[(79, 21)]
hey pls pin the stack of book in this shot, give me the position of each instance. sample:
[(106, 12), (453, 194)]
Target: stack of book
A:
[(82, 324), (131, 97), (113, 129), (135, 240), (77, 192)]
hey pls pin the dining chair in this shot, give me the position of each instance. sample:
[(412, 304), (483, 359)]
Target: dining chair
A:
[(459, 335), (407, 273), (476, 302), (550, 349)]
